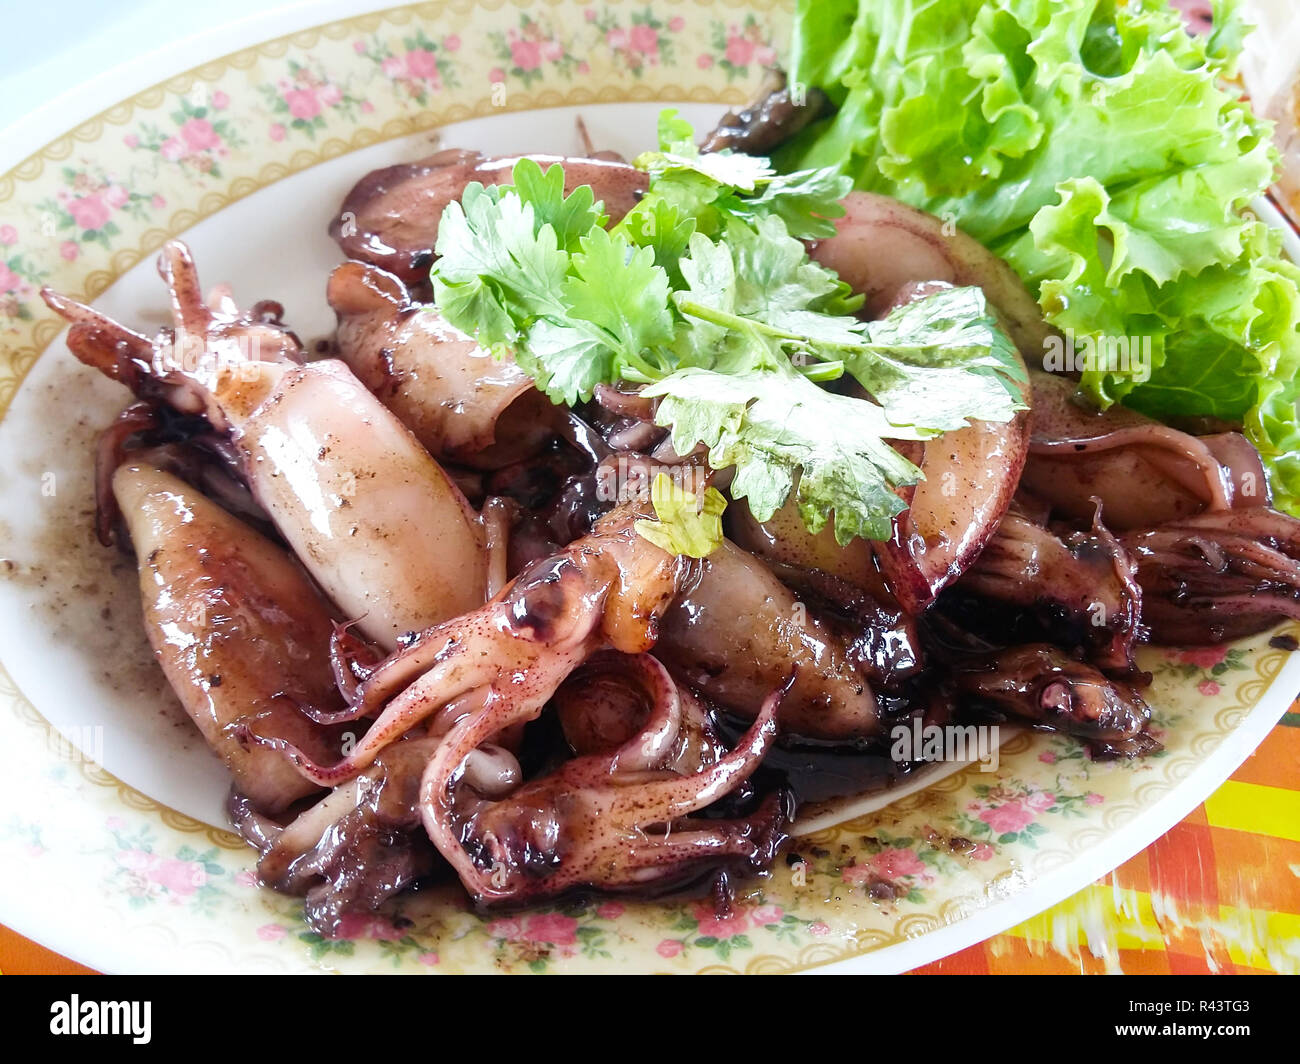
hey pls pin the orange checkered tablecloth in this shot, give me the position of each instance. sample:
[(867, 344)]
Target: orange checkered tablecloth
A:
[(1220, 892)]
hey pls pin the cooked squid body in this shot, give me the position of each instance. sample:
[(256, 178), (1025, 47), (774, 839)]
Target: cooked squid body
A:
[(1145, 473), (1047, 688), (1082, 590), (464, 405), (785, 540), (970, 479), (372, 516), (736, 633), (390, 217), (880, 246), (239, 630), (891, 253), (1218, 575)]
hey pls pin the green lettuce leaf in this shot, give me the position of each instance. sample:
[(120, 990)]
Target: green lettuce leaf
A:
[(1097, 147)]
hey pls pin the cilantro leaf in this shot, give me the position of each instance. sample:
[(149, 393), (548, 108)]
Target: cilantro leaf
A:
[(807, 201), (618, 293), (784, 434), (715, 186), (571, 217), (564, 361), (664, 227), (686, 524), (494, 237), (940, 361)]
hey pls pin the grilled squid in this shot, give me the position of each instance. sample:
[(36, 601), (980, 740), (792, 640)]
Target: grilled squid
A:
[(608, 589), (240, 632), (1219, 575), (891, 254), (390, 217), (1045, 687), (1144, 473), (355, 848), (1081, 591), (616, 820), (346, 484), (464, 405), (882, 247)]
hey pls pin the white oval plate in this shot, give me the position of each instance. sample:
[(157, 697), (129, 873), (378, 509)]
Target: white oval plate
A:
[(112, 844)]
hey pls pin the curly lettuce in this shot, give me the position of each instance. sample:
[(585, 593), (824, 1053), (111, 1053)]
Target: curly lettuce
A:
[(1099, 149)]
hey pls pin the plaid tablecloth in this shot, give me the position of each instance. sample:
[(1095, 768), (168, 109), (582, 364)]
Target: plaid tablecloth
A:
[(1218, 893)]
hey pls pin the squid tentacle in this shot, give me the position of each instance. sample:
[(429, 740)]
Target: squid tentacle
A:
[(511, 848)]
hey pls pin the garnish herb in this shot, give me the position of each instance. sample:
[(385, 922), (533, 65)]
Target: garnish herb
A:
[(705, 293)]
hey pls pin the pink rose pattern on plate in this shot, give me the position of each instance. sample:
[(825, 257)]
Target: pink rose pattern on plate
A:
[(740, 48), (640, 40), (417, 65), (532, 50), (89, 206), (198, 137), (1015, 812), (186, 877), (306, 99), (19, 277)]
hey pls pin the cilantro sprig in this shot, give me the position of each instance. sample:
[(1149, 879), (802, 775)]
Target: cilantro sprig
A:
[(705, 294)]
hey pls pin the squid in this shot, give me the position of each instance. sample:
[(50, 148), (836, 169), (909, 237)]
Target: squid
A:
[(355, 848), (239, 630), (462, 404), (474, 681), (1082, 590), (736, 631), (1046, 688), (1218, 575), (346, 484), (1144, 473), (608, 589), (882, 248), (970, 481), (890, 254), (616, 820), (390, 217)]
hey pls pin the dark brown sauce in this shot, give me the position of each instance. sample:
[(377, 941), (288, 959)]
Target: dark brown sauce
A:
[(818, 772)]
